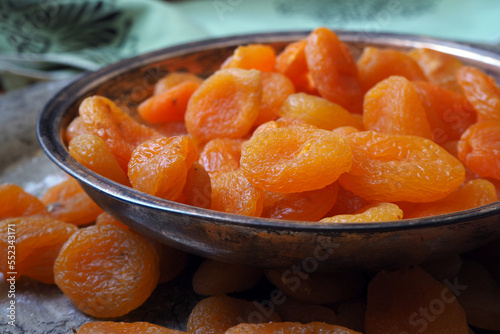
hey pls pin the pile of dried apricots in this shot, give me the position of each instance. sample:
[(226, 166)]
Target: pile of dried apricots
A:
[(307, 134)]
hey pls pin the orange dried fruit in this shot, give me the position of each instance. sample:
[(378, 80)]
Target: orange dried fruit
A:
[(481, 91), (120, 131), (333, 69), (218, 278), (479, 149), (290, 327), (411, 301), (473, 194), (347, 203), (217, 314), (449, 113), (168, 106), (438, 67), (35, 246), (170, 129), (389, 168), (225, 105), (67, 201), (375, 65), (283, 122), (306, 206), (233, 193), (159, 167), (107, 219), (221, 155), (291, 310), (198, 187), (109, 327), (173, 79), (292, 63), (276, 87), (345, 131), (393, 106), (107, 271), (16, 202), (376, 212), (253, 56), (318, 287), (76, 128), (92, 152), (294, 159), (319, 112)]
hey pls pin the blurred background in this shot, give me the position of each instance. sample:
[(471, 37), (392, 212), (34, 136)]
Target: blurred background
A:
[(57, 39)]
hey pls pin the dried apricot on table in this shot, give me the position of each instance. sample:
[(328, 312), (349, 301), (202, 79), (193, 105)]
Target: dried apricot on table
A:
[(319, 112), (159, 167), (481, 91), (16, 202), (92, 152), (479, 149), (294, 159), (393, 106), (306, 206), (233, 193), (411, 301), (38, 242), (225, 105), (290, 327), (389, 168), (110, 327), (333, 69), (275, 89), (253, 56), (375, 65), (377, 212), (217, 278), (120, 131), (107, 271), (67, 201)]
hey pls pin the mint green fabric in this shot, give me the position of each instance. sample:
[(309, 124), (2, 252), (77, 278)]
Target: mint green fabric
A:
[(54, 39)]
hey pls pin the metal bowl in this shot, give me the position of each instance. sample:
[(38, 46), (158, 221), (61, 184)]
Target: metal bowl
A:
[(258, 241)]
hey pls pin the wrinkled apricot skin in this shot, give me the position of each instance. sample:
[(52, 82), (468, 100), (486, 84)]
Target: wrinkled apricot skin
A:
[(290, 327), (275, 89), (253, 56), (393, 106), (377, 212), (173, 79), (107, 271), (76, 128), (198, 187), (16, 202), (292, 63), (389, 168), (225, 105), (109, 327), (333, 69), (294, 159), (479, 149), (221, 155), (481, 91), (37, 244)]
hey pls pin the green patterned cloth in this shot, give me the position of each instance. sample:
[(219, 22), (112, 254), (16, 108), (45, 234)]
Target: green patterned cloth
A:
[(54, 39)]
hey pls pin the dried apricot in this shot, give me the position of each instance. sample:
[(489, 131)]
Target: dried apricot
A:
[(217, 278), (107, 271), (319, 112), (75, 128), (375, 65), (306, 206), (347, 203), (292, 63), (221, 155), (120, 131), (92, 152), (168, 106), (376, 212), (479, 149), (173, 79), (159, 167), (345, 131), (67, 201), (318, 287), (275, 89), (109, 327), (38, 241), (217, 314), (170, 129), (481, 91), (438, 67), (198, 187), (283, 122), (473, 194), (225, 105), (411, 301), (253, 56), (294, 159), (290, 327), (393, 106), (333, 69), (16, 202), (107, 219), (233, 193), (389, 168)]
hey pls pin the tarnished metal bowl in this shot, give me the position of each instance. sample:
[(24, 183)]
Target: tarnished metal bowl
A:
[(258, 241)]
